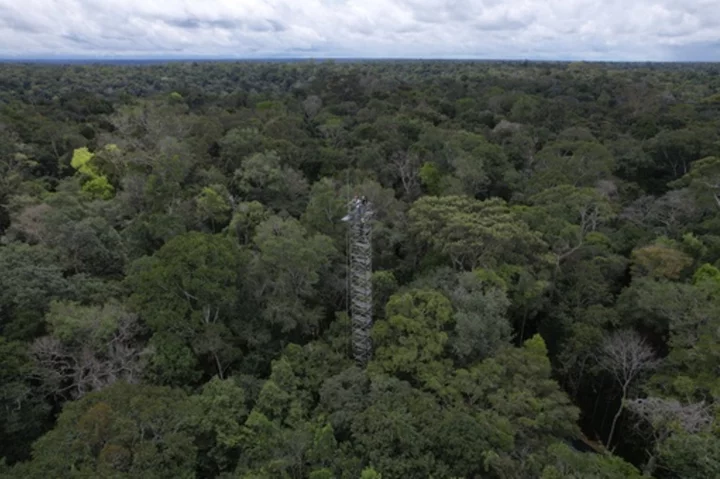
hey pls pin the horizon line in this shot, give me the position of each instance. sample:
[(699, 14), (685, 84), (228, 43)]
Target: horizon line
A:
[(259, 59)]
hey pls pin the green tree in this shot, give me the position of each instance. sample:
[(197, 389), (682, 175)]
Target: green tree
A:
[(567, 215), (483, 170), (121, 431), (237, 144), (216, 417), (325, 209), (566, 463), (570, 162), (280, 438), (395, 433), (76, 229), (213, 205), (687, 371), (474, 233), (519, 405), (663, 306), (431, 178), (411, 342), (15, 167), (690, 455), (187, 293), (264, 178), (481, 323), (668, 417), (32, 277), (245, 220), (703, 180), (287, 270), (675, 150), (24, 413)]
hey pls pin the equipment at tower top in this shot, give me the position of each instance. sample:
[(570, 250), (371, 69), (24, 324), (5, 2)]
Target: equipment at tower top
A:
[(359, 217), (359, 210)]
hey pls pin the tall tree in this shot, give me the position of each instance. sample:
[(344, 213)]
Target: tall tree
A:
[(188, 293), (625, 355), (474, 233), (286, 272)]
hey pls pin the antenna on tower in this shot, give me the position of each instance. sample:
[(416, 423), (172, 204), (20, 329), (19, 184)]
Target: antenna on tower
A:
[(359, 217)]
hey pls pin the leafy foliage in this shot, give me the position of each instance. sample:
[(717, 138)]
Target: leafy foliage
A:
[(174, 270)]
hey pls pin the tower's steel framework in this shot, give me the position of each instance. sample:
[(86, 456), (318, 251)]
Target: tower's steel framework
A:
[(359, 217)]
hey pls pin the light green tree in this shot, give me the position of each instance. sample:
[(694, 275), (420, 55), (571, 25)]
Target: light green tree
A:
[(97, 185), (474, 233), (410, 343)]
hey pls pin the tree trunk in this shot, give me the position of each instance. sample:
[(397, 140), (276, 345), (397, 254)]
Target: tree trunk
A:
[(221, 375), (617, 416), (650, 466), (522, 326)]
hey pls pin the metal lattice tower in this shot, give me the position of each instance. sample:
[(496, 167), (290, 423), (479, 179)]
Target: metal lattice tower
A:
[(359, 218)]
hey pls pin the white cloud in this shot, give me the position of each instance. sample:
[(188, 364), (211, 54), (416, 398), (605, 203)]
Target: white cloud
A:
[(564, 29)]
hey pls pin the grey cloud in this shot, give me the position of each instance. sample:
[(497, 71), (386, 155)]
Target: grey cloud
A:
[(267, 26), (410, 29), (227, 24), (277, 26), (13, 21), (460, 10), (188, 23), (302, 50), (501, 24), (614, 29), (192, 23), (79, 39), (18, 25), (695, 53)]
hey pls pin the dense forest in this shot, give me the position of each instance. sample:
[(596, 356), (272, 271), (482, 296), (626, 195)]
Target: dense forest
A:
[(174, 270)]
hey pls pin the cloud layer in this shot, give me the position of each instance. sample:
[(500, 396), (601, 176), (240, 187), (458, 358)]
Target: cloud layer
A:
[(657, 30)]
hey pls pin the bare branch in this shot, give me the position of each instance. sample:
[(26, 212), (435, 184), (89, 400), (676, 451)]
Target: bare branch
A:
[(407, 168), (311, 106), (625, 355), (662, 413), (75, 368), (666, 416)]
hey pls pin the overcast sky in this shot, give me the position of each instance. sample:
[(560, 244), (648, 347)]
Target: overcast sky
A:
[(656, 30)]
